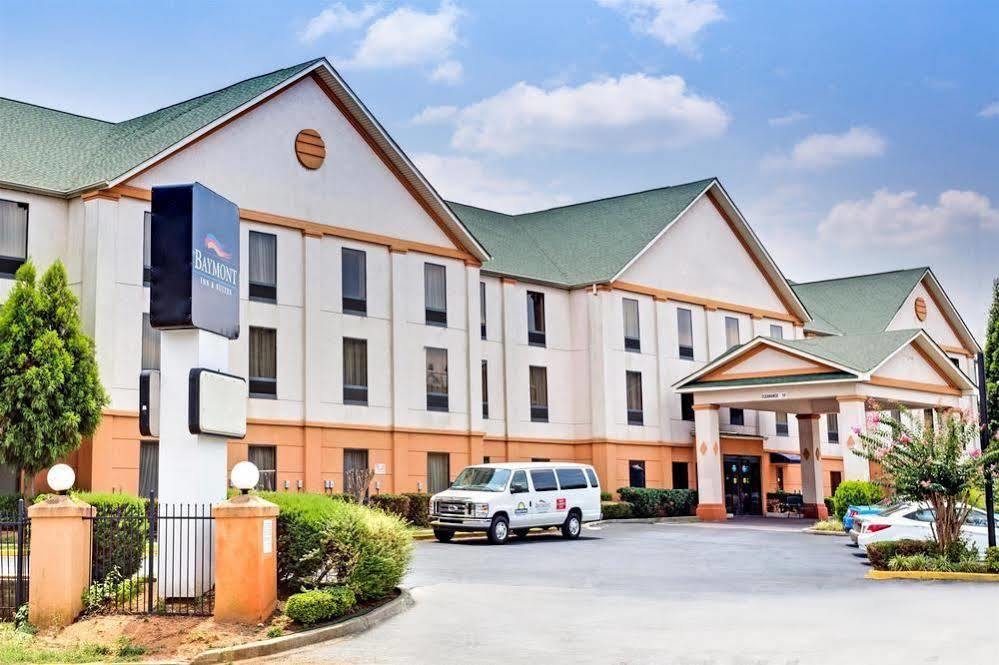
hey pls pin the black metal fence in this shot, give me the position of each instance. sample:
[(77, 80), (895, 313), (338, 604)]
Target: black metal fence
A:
[(154, 559), (15, 546)]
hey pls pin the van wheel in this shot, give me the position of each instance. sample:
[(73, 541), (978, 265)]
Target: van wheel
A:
[(521, 533), (572, 526), (444, 535), (499, 531)]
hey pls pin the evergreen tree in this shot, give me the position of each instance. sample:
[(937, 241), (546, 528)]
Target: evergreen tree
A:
[(992, 363), (50, 390)]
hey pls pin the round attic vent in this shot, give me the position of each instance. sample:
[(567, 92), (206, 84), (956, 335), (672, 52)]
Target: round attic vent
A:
[(310, 149), (920, 309)]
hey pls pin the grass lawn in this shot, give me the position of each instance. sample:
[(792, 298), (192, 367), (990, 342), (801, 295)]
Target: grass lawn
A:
[(18, 647), (831, 524)]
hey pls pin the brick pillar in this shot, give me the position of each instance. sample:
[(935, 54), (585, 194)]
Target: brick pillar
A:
[(812, 485), (245, 559), (60, 560), (710, 488)]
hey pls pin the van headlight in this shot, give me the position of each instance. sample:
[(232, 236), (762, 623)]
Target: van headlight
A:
[(481, 510)]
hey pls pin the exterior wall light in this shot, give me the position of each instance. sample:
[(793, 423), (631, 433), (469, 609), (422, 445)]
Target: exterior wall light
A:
[(60, 478), (244, 476)]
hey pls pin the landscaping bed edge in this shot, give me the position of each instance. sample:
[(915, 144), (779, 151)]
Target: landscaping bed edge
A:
[(931, 575)]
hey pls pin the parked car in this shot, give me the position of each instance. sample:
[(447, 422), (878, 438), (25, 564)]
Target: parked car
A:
[(913, 520), (855, 515), (516, 497)]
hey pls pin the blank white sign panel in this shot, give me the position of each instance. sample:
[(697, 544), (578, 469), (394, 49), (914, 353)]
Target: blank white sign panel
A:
[(218, 404)]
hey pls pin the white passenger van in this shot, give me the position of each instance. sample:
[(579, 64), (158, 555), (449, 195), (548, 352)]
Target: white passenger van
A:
[(515, 497)]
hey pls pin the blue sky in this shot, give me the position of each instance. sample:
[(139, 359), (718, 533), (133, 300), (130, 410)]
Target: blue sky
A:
[(855, 136)]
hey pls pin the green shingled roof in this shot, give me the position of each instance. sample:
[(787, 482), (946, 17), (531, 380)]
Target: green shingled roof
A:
[(857, 305), (56, 151), (578, 244)]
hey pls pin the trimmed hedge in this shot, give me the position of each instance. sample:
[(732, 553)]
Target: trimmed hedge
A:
[(8, 504), (992, 559), (120, 541), (856, 493), (652, 502), (310, 607), (419, 509), (880, 554), (323, 541), (615, 510), (394, 504)]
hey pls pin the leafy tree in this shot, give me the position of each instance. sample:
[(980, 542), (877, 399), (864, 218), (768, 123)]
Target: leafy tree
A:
[(940, 466), (50, 390), (992, 362)]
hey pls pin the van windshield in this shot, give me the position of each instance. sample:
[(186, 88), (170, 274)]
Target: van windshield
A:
[(482, 479)]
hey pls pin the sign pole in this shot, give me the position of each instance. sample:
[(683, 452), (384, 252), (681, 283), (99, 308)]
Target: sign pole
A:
[(986, 437)]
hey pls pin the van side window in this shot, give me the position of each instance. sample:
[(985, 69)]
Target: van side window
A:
[(592, 475), (571, 479), (544, 480), (519, 483)]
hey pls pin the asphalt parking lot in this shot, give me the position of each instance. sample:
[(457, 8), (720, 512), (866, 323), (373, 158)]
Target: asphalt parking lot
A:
[(634, 593)]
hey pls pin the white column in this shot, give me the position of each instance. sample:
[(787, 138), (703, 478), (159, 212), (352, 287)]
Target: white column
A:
[(474, 351), (853, 418), (97, 302), (812, 477), (598, 317), (663, 391), (312, 306), (513, 312), (398, 348), (707, 442)]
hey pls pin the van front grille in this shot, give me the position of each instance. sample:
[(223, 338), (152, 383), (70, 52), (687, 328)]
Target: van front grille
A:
[(453, 508)]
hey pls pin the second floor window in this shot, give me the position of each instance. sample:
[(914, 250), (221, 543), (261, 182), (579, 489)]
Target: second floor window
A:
[(13, 236), (263, 266), (687, 406), (150, 345), (777, 332), (485, 389), (147, 247), (731, 331), (781, 423), (685, 333), (355, 371), (736, 417), (832, 425), (437, 399), (632, 334), (353, 281), (263, 362), (482, 310), (539, 394), (634, 397), (435, 294), (535, 318)]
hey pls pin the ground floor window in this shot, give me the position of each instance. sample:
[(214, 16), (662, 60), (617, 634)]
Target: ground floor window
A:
[(835, 478), (636, 473), (265, 459), (680, 479), (438, 472), (780, 478), (355, 469), (149, 467)]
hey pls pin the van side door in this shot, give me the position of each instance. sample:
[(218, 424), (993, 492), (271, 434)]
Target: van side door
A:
[(520, 500), (545, 496)]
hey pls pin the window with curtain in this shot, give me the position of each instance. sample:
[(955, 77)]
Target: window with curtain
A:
[(633, 381), (437, 399), (777, 332), (636, 473), (482, 310), (263, 266), (438, 472), (149, 467), (781, 423), (355, 371), (150, 345), (687, 406), (485, 390), (354, 281), (539, 394), (736, 417), (535, 318), (832, 425), (13, 236), (263, 362), (731, 331), (265, 459), (685, 333), (632, 334), (435, 294), (147, 254)]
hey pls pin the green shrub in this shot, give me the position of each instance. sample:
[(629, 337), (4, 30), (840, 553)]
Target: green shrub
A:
[(8, 504), (880, 554), (855, 493), (120, 539), (992, 559), (936, 564), (606, 496), (322, 541), (652, 502), (830, 505), (395, 504), (419, 509), (615, 510), (310, 607)]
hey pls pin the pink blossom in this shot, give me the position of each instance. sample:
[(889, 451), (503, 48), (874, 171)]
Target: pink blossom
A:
[(856, 430), (904, 439), (976, 453)]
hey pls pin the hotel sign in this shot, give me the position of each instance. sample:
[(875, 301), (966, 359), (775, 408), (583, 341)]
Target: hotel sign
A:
[(194, 256), (773, 396)]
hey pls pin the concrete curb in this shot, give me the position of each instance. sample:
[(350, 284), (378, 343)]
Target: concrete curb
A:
[(289, 642), (819, 532), (931, 575), (687, 519)]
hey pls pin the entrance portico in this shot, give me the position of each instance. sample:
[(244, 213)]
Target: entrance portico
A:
[(845, 375)]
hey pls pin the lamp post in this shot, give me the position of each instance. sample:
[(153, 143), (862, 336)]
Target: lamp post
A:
[(244, 476), (60, 478), (986, 436)]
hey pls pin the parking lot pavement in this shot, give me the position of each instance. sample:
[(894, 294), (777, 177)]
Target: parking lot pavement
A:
[(651, 593)]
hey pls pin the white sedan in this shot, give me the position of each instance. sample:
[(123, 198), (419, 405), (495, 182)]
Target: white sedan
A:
[(914, 521)]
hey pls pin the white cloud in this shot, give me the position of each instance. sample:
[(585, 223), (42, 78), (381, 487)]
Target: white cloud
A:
[(407, 37), (990, 111), (673, 22), (449, 72), (788, 119), (468, 180), (335, 18), (896, 219), (818, 151), (635, 112), (434, 115)]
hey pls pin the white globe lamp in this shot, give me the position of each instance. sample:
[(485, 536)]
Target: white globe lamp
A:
[(60, 478), (244, 476)]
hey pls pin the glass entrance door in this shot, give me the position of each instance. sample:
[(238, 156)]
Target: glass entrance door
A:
[(743, 495)]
